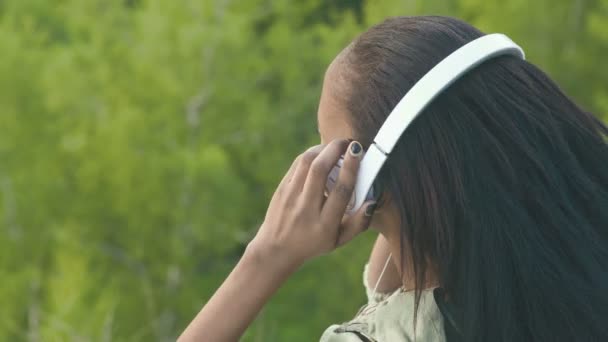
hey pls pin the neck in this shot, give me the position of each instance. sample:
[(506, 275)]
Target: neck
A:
[(404, 264)]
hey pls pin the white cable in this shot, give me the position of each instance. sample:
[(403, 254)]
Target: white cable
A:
[(381, 274)]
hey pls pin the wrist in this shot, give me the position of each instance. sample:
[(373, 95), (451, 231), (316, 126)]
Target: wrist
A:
[(270, 257)]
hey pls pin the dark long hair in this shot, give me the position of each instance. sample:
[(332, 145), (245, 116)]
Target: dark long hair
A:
[(502, 183)]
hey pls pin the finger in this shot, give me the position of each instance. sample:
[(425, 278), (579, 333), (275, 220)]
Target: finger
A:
[(320, 168), (289, 174), (304, 163), (340, 197), (281, 189), (354, 225)]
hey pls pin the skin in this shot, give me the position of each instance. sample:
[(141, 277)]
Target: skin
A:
[(301, 224), (334, 123)]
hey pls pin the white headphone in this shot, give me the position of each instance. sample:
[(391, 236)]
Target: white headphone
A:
[(420, 95)]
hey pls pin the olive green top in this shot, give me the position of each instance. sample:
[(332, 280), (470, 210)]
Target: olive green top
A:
[(390, 317)]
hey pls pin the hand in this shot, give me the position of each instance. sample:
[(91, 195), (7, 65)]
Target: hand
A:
[(301, 222)]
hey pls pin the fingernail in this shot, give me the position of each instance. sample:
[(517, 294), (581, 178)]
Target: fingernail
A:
[(369, 211), (355, 149)]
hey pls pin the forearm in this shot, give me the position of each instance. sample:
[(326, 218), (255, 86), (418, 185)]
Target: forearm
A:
[(239, 299), (391, 280)]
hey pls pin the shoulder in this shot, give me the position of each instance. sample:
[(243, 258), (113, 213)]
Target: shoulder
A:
[(347, 332), (392, 319)]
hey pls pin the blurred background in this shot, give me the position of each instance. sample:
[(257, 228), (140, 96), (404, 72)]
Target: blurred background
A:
[(140, 142)]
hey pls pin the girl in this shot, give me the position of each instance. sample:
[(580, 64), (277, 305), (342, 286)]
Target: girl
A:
[(492, 207)]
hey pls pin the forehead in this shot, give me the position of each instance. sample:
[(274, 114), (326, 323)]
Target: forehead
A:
[(332, 115)]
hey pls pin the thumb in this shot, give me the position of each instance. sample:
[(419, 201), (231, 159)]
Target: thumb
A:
[(356, 223)]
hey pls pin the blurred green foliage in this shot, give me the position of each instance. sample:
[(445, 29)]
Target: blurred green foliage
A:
[(140, 142)]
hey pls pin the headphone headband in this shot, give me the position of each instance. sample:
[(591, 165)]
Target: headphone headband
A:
[(419, 96)]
